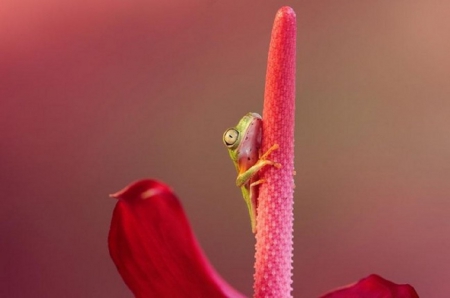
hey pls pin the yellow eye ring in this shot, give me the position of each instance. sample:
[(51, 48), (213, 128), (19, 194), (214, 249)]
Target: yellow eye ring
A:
[(230, 137)]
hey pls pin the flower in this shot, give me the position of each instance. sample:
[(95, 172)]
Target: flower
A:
[(154, 248)]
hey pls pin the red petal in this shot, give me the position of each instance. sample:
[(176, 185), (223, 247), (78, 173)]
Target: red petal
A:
[(154, 249), (374, 286)]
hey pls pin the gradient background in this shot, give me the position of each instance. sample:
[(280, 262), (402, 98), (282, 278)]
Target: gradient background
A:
[(97, 94)]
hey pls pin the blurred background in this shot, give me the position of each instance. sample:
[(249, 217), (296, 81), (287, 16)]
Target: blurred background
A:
[(97, 94)]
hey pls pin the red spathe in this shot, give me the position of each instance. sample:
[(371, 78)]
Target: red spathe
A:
[(373, 286), (154, 249)]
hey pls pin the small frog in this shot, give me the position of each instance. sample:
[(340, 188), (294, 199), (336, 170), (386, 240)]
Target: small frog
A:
[(244, 145)]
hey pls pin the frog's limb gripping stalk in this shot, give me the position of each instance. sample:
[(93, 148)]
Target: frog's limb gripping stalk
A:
[(248, 190), (244, 177), (271, 149), (260, 181)]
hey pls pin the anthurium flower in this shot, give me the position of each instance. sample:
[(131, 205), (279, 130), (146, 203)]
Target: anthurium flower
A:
[(151, 241)]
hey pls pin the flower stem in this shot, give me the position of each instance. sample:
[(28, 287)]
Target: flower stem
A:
[(274, 238)]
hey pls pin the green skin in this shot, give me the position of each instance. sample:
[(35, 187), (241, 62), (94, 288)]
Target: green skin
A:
[(244, 144)]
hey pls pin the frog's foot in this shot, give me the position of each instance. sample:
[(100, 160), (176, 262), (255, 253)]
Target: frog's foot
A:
[(260, 181), (264, 162), (263, 158), (276, 165), (271, 149)]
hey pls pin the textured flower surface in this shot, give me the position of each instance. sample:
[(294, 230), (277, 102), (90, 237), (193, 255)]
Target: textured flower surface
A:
[(273, 275)]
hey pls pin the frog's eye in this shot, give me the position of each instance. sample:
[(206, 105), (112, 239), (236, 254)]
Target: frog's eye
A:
[(230, 137)]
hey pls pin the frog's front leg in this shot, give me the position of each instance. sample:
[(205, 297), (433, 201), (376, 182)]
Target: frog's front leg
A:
[(245, 177)]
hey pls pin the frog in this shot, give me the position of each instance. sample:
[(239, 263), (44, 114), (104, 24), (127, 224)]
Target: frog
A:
[(244, 147)]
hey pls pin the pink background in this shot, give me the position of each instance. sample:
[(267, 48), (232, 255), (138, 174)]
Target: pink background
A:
[(96, 94)]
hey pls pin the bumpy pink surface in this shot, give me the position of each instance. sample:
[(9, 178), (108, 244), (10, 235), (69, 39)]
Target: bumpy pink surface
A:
[(274, 244)]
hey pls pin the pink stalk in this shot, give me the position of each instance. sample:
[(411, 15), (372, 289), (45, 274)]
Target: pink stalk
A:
[(274, 238)]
